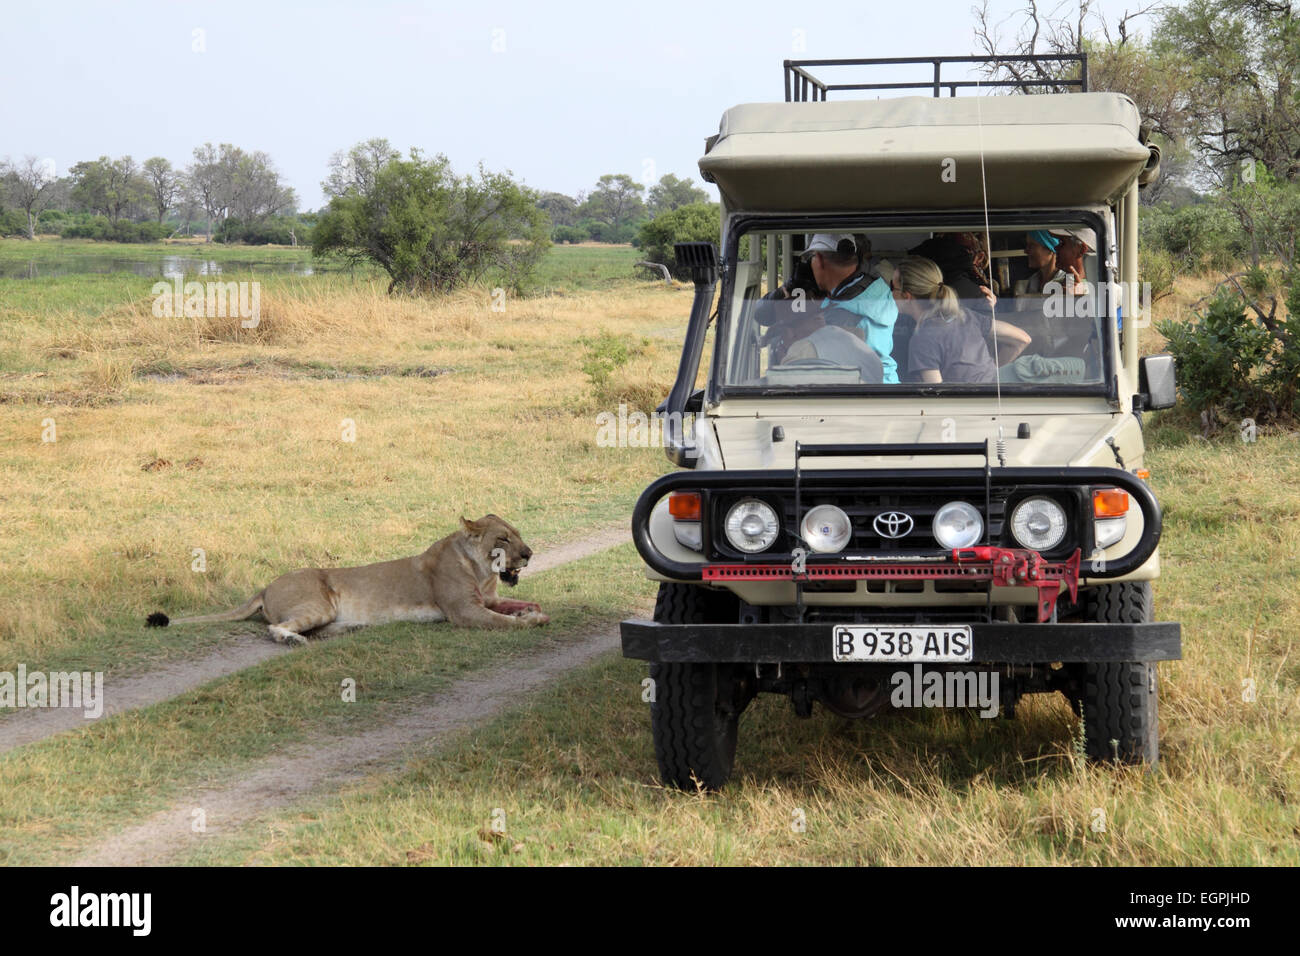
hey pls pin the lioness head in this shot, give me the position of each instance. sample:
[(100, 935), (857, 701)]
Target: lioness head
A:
[(500, 545)]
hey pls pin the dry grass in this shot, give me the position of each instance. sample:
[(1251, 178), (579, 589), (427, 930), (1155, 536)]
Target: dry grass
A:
[(96, 539)]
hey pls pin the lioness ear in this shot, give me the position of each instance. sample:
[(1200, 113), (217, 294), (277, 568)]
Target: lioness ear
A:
[(470, 527)]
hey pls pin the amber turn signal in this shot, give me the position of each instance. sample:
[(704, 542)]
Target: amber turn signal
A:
[(1109, 503), (684, 505)]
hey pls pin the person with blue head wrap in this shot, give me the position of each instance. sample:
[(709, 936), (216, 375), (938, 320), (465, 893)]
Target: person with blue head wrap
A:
[(1040, 251)]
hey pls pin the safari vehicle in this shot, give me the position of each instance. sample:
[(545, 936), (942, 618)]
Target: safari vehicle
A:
[(826, 532)]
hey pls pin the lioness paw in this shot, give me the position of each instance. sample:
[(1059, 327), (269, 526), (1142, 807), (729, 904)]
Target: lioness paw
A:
[(283, 635), (535, 618)]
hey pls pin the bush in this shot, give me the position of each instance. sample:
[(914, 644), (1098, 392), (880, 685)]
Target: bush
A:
[(1230, 364), (698, 222), (1157, 267), (1202, 237), (13, 222), (279, 230), (605, 354), (101, 229), (433, 231), (569, 234), (599, 231)]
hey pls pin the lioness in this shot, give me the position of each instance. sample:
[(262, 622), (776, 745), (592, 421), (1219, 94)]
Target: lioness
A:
[(455, 580)]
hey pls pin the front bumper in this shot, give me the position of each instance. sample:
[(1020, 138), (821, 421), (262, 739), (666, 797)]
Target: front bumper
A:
[(995, 643)]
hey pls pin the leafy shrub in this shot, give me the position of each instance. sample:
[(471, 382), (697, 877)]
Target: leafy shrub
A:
[(569, 234), (278, 230), (1201, 237), (1157, 267), (101, 229), (13, 223), (614, 379), (605, 354), (599, 231), (1230, 364), (698, 222), (434, 231)]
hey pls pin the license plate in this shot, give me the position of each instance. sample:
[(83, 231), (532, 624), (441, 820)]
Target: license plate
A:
[(867, 642)]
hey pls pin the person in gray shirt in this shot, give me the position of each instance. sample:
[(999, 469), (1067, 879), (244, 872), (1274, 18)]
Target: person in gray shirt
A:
[(947, 345)]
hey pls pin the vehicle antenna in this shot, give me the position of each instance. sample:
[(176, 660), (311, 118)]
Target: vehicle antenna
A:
[(988, 244)]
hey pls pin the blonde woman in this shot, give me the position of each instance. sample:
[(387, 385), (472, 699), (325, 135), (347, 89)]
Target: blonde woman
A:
[(947, 345)]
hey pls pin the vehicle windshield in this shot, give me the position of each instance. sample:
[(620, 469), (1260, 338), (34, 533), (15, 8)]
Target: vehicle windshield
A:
[(902, 308)]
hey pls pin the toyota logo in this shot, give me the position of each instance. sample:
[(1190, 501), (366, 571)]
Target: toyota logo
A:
[(893, 524)]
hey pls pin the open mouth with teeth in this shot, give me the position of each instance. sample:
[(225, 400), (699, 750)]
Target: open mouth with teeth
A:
[(510, 576)]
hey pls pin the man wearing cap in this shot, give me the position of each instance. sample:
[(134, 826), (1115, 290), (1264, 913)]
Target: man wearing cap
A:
[(1075, 244), (855, 301)]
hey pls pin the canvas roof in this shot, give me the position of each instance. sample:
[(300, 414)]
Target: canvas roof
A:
[(1046, 150)]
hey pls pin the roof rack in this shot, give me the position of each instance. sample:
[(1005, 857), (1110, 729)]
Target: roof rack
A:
[(801, 86)]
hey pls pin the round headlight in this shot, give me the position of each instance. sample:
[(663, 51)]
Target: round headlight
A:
[(751, 525), (826, 529), (958, 525), (1038, 524)]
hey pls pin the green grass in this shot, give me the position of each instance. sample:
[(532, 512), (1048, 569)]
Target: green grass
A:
[(570, 268), (565, 268), (49, 248)]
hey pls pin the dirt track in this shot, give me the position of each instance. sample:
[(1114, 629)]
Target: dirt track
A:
[(331, 761)]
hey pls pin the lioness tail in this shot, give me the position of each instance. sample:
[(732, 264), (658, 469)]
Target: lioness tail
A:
[(245, 610)]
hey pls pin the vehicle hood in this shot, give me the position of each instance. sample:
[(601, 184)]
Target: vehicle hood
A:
[(1060, 439)]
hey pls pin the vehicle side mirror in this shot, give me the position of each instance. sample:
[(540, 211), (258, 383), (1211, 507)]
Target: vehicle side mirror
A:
[(1156, 382)]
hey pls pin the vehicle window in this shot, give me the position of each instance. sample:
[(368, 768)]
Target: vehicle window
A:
[(905, 307)]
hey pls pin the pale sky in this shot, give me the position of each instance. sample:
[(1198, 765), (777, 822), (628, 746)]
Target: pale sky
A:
[(557, 93)]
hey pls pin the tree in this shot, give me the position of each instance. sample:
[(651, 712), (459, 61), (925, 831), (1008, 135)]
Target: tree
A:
[(254, 187), (164, 184), (31, 186), (698, 222), (671, 193), (354, 170), (616, 201), (1244, 97), (107, 186), (1119, 61), (208, 182), (433, 231), (562, 209)]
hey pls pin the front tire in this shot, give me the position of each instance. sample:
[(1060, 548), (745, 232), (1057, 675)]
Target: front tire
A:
[(1119, 701), (695, 711)]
